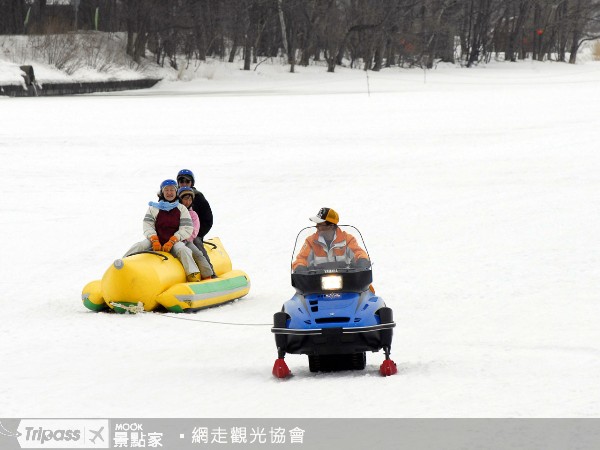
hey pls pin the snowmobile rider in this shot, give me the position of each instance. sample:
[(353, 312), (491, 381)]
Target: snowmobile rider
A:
[(166, 224), (186, 197), (329, 244)]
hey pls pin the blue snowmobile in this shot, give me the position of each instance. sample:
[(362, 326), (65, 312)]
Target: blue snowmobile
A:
[(335, 317)]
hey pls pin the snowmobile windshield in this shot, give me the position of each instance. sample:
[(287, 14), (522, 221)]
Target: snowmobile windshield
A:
[(330, 249)]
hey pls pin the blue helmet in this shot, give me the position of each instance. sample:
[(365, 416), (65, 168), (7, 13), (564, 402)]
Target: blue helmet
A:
[(166, 183), (185, 190), (187, 174)]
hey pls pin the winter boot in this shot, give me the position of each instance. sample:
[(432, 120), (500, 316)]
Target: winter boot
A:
[(193, 277)]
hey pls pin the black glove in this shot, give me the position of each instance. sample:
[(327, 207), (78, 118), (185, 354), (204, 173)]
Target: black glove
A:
[(363, 263)]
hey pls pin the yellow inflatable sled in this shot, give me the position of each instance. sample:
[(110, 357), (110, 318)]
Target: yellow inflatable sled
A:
[(150, 279)]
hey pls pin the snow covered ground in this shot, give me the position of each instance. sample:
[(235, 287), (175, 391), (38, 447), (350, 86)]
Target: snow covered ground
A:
[(477, 193)]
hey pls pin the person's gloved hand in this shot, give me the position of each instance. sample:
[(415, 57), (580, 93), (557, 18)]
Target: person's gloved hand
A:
[(169, 244), (363, 263), (155, 243)]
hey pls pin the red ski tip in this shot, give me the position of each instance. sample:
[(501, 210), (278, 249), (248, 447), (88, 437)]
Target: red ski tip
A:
[(387, 368), (280, 368)]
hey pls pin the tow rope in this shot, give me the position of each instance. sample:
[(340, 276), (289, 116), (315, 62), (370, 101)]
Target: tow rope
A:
[(139, 309)]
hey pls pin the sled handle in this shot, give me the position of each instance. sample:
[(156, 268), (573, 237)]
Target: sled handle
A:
[(214, 246), (152, 253)]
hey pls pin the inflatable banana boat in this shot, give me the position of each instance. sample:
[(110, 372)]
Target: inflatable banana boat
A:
[(150, 279)]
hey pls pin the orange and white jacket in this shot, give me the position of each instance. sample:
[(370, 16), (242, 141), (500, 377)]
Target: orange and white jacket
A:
[(344, 248)]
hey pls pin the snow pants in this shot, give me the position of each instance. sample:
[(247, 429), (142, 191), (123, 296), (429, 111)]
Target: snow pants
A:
[(206, 269), (200, 246), (179, 250)]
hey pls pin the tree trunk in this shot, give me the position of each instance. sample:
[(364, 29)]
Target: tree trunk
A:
[(339, 58), (283, 30), (330, 62), (233, 51), (536, 24), (378, 58), (307, 44), (139, 49), (247, 53), (574, 46), (390, 58), (516, 33), (41, 15), (577, 32), (292, 50), (562, 32), (130, 38)]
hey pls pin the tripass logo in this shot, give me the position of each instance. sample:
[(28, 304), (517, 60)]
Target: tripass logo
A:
[(63, 433)]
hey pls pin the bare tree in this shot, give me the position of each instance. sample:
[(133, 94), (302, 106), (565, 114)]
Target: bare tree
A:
[(332, 32), (583, 18), (374, 33), (513, 22), (140, 18)]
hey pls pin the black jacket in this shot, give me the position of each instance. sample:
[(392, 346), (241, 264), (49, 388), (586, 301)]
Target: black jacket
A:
[(202, 208)]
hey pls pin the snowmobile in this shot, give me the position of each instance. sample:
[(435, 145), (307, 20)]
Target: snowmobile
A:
[(334, 317)]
